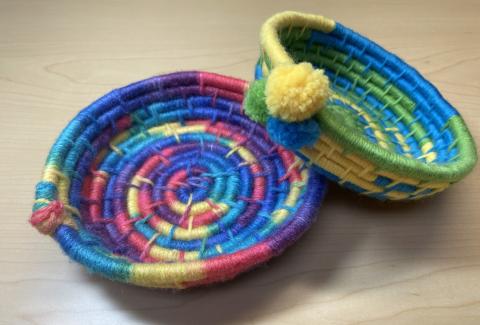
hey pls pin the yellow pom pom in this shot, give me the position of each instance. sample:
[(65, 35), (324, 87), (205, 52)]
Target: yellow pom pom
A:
[(295, 92)]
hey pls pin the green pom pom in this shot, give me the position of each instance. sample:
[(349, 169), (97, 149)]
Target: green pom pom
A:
[(254, 104)]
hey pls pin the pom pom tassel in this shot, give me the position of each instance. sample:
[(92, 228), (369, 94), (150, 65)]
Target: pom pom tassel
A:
[(294, 135), (254, 103), (296, 92), (286, 101)]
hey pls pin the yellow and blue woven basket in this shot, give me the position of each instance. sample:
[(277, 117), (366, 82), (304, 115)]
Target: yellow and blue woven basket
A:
[(365, 118)]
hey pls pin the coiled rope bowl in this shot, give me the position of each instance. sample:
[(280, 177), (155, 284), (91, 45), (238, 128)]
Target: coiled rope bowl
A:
[(165, 183), (361, 115)]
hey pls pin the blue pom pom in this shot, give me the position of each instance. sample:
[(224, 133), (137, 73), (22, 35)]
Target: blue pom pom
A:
[(293, 135)]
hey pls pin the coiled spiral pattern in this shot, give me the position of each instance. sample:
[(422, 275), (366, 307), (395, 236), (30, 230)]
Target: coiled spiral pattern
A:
[(165, 183)]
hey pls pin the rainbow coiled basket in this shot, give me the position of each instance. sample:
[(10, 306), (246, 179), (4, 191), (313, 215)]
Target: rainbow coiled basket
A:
[(166, 183), (384, 130)]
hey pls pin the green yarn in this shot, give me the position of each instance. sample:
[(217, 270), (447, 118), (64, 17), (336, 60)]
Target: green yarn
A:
[(254, 105), (294, 34)]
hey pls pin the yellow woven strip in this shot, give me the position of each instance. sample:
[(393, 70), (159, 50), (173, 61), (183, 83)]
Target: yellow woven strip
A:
[(398, 179), (269, 37), (166, 275), (434, 185), (164, 254), (395, 195), (132, 201), (197, 208), (191, 256), (403, 143), (278, 216), (172, 255), (367, 171), (377, 130), (176, 129), (165, 227), (350, 162), (244, 153), (333, 167), (53, 175), (427, 153), (169, 131)]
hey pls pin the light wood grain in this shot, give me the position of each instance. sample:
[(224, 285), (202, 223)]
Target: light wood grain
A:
[(363, 262)]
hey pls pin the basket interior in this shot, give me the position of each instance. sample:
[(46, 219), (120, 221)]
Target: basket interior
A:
[(169, 184), (381, 100)]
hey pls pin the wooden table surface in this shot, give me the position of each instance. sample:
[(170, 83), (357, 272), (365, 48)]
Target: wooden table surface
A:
[(363, 262)]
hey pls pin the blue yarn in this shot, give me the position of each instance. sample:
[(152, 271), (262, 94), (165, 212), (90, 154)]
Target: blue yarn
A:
[(93, 259), (293, 135)]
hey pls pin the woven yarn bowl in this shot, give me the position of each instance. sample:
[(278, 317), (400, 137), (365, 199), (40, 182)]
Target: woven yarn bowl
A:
[(165, 183), (386, 132)]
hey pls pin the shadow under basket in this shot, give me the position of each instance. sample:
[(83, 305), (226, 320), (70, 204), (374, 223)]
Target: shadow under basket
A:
[(385, 131), (165, 183)]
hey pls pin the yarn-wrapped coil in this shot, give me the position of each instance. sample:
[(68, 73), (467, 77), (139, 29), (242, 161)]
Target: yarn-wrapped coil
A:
[(165, 183)]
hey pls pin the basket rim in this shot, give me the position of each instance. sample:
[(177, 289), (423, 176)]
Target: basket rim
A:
[(387, 160)]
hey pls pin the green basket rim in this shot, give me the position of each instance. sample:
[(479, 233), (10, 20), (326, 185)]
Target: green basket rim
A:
[(400, 164)]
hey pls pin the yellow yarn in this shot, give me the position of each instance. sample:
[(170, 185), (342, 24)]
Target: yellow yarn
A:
[(296, 92), (269, 35)]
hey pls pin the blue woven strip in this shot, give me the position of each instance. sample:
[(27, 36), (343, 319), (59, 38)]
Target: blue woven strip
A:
[(410, 82)]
